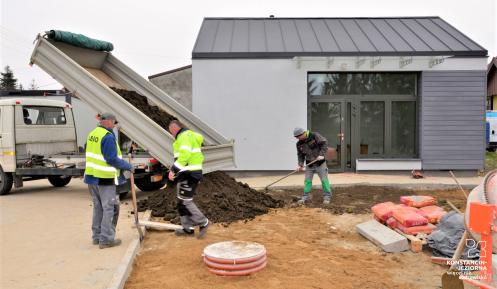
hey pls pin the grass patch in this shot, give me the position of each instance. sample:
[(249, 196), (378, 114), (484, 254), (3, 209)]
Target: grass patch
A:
[(490, 161)]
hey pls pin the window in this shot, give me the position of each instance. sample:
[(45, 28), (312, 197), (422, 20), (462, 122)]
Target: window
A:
[(382, 121), (403, 127), (372, 134), (361, 84), (43, 115)]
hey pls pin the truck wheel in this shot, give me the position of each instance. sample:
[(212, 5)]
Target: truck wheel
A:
[(146, 185), (6, 181), (59, 181)]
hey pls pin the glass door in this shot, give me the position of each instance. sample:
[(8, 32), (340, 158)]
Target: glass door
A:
[(327, 118)]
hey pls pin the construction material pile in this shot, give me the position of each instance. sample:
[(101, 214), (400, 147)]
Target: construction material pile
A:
[(139, 101), (415, 214), (220, 197)]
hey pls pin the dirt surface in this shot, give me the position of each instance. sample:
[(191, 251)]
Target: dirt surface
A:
[(360, 199), (220, 197), (139, 101), (307, 248)]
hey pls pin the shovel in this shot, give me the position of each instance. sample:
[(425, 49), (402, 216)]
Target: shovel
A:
[(267, 187), (135, 206)]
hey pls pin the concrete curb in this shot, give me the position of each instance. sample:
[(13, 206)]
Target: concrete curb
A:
[(126, 265)]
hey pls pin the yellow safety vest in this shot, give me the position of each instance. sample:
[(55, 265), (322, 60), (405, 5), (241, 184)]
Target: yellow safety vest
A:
[(96, 165), (187, 153)]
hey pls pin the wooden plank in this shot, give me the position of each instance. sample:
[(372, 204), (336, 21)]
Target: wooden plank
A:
[(416, 243), (159, 225)]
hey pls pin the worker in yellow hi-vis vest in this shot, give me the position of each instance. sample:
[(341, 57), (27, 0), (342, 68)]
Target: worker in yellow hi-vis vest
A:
[(104, 165), (187, 171)]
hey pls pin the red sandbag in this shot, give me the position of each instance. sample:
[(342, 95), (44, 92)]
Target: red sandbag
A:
[(433, 213), (378, 219), (418, 201), (427, 229), (412, 209), (392, 223), (409, 217), (383, 211)]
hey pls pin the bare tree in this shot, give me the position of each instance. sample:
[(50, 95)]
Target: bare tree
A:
[(33, 85)]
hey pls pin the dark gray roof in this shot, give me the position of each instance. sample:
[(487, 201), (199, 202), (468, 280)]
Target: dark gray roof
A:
[(289, 37)]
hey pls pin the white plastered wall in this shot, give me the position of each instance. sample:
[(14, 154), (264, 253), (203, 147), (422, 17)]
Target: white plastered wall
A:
[(258, 102)]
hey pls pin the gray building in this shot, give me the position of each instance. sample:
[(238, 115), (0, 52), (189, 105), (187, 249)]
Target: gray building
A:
[(177, 83), (396, 93)]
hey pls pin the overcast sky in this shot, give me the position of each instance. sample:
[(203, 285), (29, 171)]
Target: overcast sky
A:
[(155, 36)]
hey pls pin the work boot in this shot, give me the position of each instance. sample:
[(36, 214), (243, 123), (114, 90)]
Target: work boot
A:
[(305, 199), (326, 200), (96, 241), (184, 232), (203, 230), (114, 243)]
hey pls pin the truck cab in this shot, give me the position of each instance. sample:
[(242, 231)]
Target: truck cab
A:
[(31, 131)]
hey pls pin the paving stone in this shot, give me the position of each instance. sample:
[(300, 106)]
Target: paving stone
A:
[(383, 237)]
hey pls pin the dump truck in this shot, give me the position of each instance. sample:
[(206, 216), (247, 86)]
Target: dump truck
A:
[(38, 140), (90, 74)]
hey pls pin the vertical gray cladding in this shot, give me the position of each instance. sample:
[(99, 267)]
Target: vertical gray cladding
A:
[(452, 117)]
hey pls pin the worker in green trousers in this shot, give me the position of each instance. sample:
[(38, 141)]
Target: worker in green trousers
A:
[(311, 146)]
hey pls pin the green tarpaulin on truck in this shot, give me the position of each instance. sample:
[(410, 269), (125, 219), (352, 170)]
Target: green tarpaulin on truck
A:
[(80, 40)]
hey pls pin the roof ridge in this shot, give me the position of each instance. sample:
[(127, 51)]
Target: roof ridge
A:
[(296, 18)]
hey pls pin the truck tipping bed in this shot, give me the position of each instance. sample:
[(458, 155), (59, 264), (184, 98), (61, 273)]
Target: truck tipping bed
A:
[(89, 74)]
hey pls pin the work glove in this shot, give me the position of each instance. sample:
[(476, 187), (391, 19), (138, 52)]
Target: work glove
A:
[(171, 176), (133, 168), (320, 158)]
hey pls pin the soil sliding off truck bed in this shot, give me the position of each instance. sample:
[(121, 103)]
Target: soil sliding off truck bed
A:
[(89, 74)]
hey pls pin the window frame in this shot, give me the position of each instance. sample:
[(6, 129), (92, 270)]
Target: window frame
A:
[(356, 99), (43, 106)]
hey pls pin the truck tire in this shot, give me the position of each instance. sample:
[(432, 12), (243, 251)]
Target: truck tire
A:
[(146, 185), (59, 181), (6, 181)]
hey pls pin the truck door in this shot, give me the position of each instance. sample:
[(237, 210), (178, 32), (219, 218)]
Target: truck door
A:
[(7, 142)]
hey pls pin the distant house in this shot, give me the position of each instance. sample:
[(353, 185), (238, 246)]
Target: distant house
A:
[(492, 85), (389, 93), (177, 83)]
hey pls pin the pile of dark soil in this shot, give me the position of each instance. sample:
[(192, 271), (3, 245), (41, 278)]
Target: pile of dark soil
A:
[(139, 101), (360, 199), (220, 197)]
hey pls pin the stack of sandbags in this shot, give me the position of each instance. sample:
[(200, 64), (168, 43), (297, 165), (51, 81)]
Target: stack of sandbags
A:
[(415, 214)]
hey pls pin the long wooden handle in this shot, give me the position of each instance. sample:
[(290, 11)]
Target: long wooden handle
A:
[(459, 250), (135, 205), (457, 182), (288, 175)]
